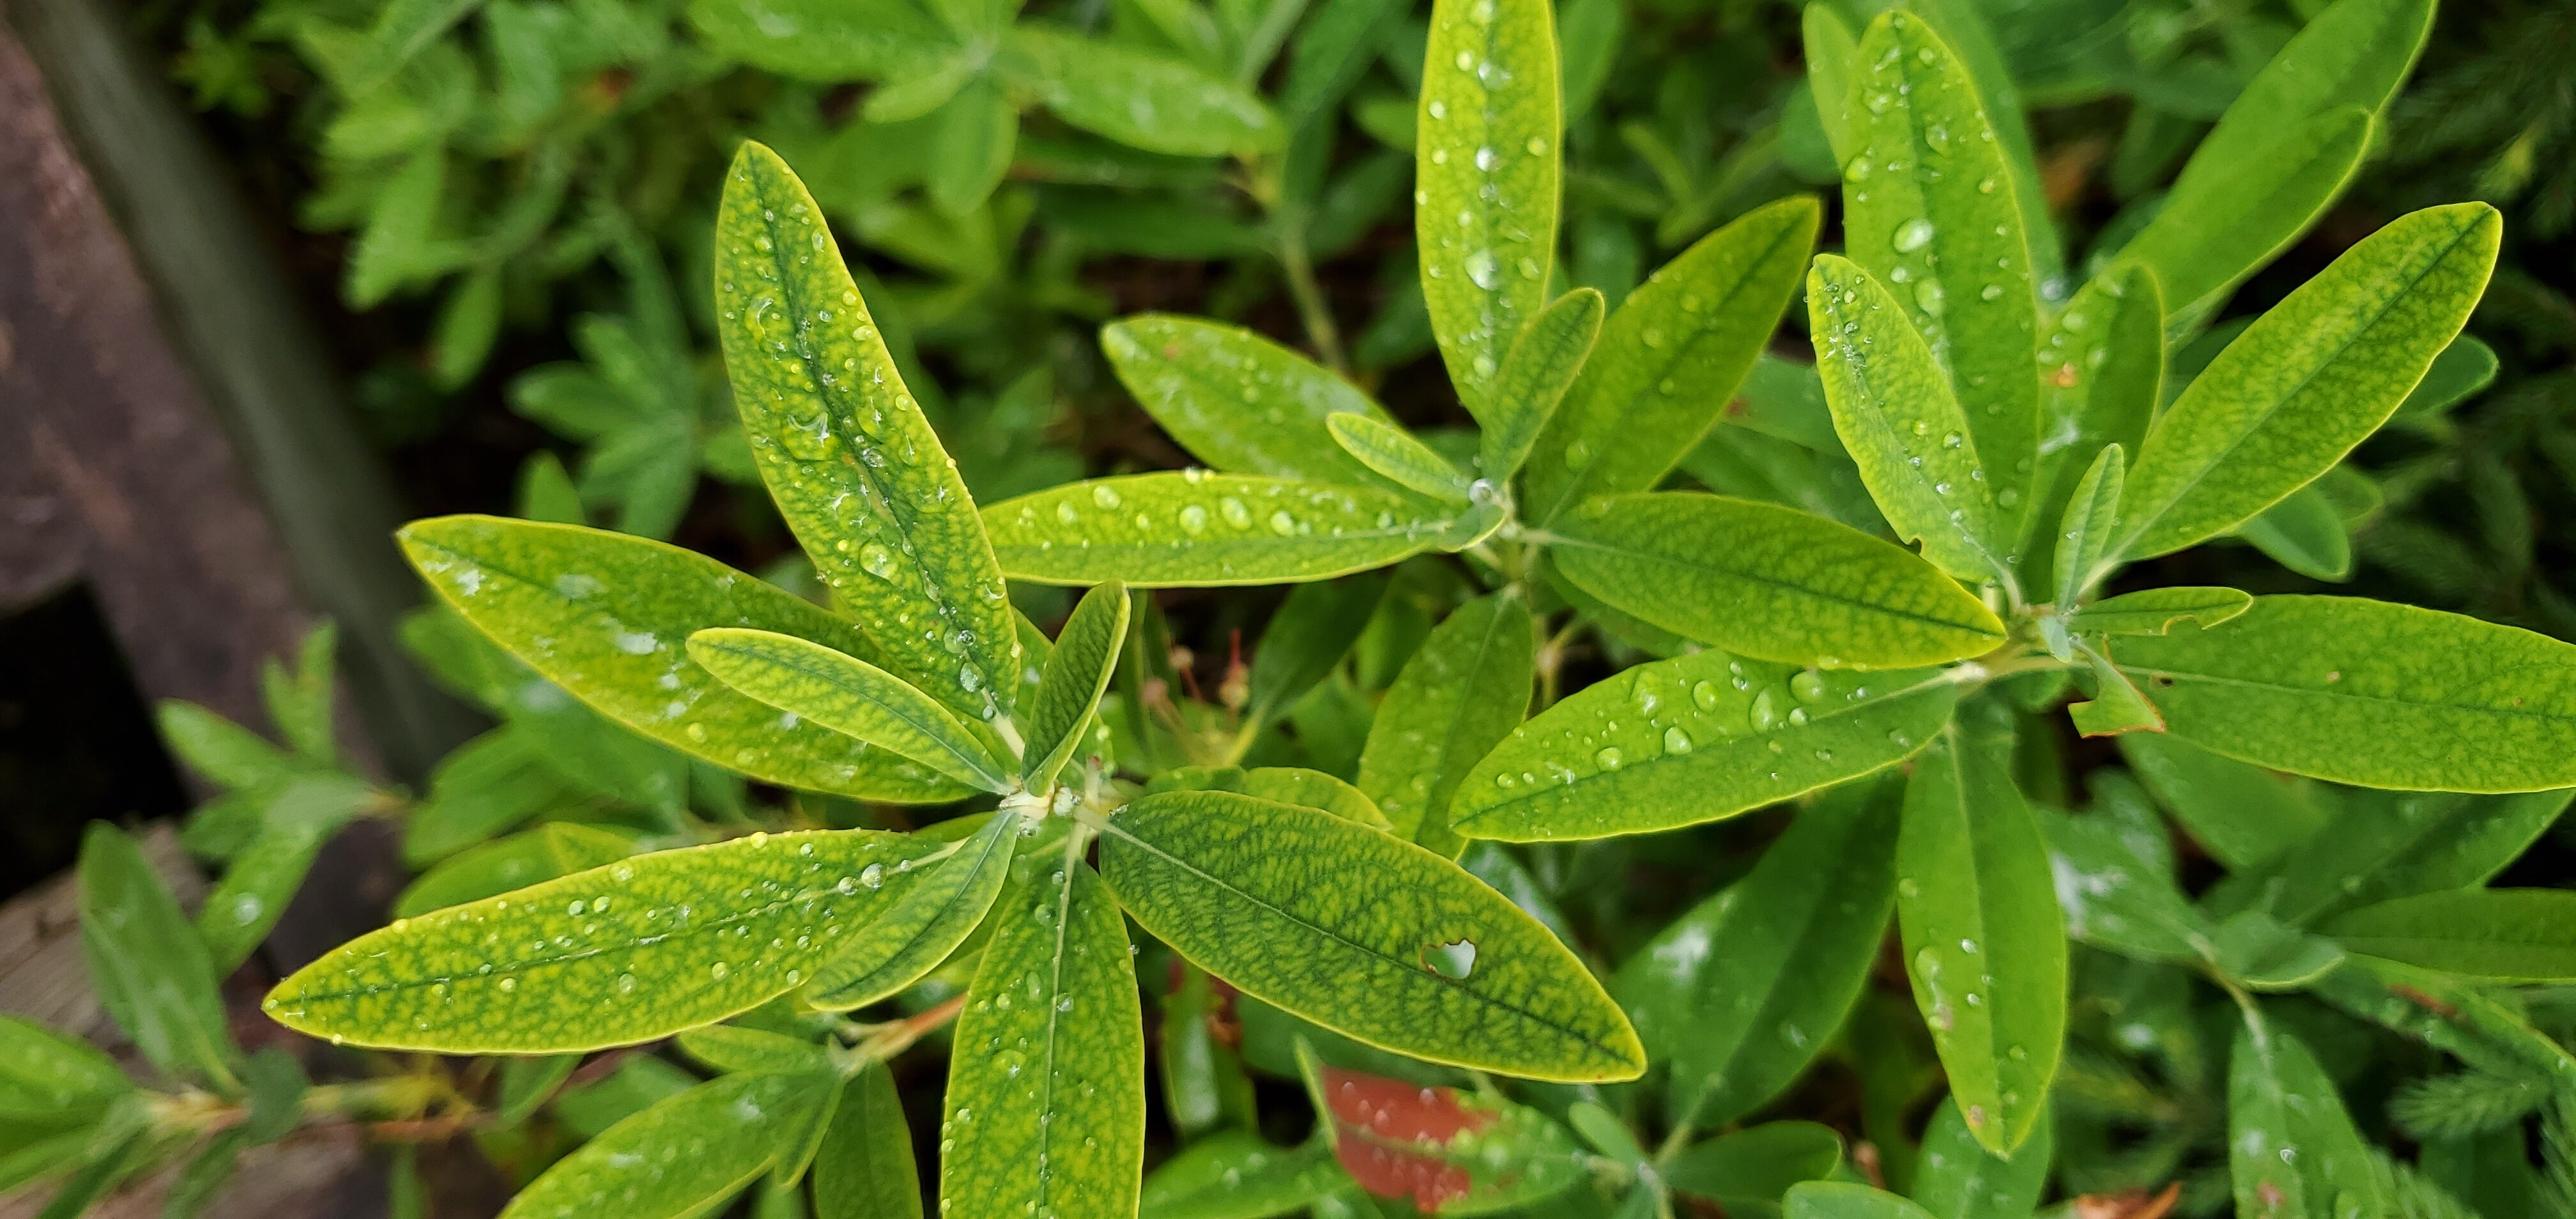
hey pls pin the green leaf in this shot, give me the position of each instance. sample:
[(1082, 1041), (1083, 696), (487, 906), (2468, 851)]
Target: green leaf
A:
[(516, 862), (218, 748), (1692, 739), (1046, 1094), (1985, 945), (2156, 611), (607, 617), (2115, 878), (2514, 935), (924, 926), (1738, 996), (2230, 220), (2101, 376), (1669, 360), (1898, 417), (1285, 784), (2385, 846), (1077, 672), (1235, 1174), (978, 128), (46, 1074), (1846, 1200), (1459, 695), (627, 953), (864, 1169), (1186, 529), (1486, 170), (1445, 1150), (2309, 379), (1536, 373), (1199, 1063), (1395, 455), (2291, 1149), (2462, 371), (1136, 97), (1237, 401), (734, 1048), (684, 1156), (2261, 953), (2304, 532), (1748, 1171), (848, 695), (1307, 638), (2087, 530), (1404, 950), (1930, 207), (2371, 694), (1833, 52), (826, 41), (2117, 705), (848, 456), (1960, 1179), (151, 971), (527, 1083), (1770, 582)]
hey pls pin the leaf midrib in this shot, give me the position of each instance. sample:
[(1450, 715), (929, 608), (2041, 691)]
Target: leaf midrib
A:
[(1402, 966)]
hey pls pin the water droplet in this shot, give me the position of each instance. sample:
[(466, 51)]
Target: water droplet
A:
[(1609, 757), (1808, 685), (1676, 741), (1912, 235)]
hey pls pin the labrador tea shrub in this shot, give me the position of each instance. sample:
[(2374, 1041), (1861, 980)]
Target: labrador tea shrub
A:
[(1884, 663)]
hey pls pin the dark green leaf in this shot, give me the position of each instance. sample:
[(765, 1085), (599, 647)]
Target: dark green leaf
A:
[(151, 971), (865, 1169), (1462, 692)]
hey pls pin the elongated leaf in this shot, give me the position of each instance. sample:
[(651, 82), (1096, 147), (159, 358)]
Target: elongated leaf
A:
[(2101, 376), (864, 1169), (733, 1048), (1985, 946), (1669, 360), (682, 1157), (2117, 705), (2229, 221), (1738, 996), (45, 1074), (2086, 532), (1443, 1150), (266, 872), (1832, 54), (637, 950), (848, 695), (1077, 671), (151, 971), (1486, 170), (2385, 846), (1234, 1174), (1930, 208), (1195, 529), (557, 849), (1462, 692), (1396, 456), (2304, 532), (607, 616), (828, 41), (1307, 638), (1770, 582), (1960, 1179), (1540, 367), (2462, 371), (2510, 935), (1403, 950), (846, 453), (2115, 884), (1847, 1200), (1897, 415), (2309, 379), (1136, 97), (2291, 1148), (2368, 693), (2156, 611), (1696, 738), (1748, 1171), (218, 748), (1046, 1092), (1285, 784), (924, 926), (1237, 401)]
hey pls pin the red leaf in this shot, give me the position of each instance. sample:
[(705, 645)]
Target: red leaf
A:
[(1387, 1134)]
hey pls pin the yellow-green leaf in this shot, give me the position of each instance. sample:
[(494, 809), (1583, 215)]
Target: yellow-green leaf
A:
[(608, 616), (2155, 611), (1985, 944), (2088, 528), (684, 1156), (924, 926), (2309, 379), (1235, 400), (864, 1169), (1540, 367), (630, 952), (1692, 739), (1396, 456), (848, 456), (2231, 220), (1895, 410), (1402, 949), (1077, 671), (151, 971), (1486, 170), (1046, 1089), (556, 849), (2521, 936), (1771, 582), (2101, 375), (847, 695), (1669, 360), (1459, 695), (1195, 529), (2369, 693)]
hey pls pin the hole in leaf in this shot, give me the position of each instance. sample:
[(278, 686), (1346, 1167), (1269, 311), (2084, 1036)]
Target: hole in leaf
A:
[(1455, 959)]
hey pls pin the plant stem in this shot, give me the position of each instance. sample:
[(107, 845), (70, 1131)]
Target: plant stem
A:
[(1309, 295)]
